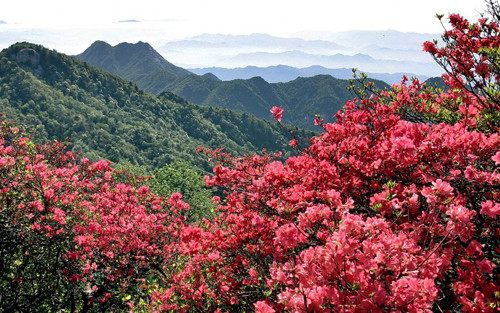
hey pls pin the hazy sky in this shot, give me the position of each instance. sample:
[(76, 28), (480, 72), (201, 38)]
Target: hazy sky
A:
[(70, 26)]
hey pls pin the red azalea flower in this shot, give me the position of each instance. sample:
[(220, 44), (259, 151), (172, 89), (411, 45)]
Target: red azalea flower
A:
[(277, 112)]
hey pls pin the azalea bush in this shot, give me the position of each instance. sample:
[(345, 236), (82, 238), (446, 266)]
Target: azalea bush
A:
[(471, 60), (392, 208), (73, 236)]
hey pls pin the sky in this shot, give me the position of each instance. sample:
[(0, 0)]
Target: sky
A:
[(71, 26)]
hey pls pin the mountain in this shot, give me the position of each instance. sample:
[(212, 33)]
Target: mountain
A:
[(109, 117), (301, 98), (138, 62), (252, 41), (361, 61), (284, 73), (233, 51), (437, 82), (321, 94)]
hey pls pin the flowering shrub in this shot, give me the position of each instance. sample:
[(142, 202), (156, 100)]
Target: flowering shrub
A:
[(393, 208), (71, 235), (378, 214), (471, 60)]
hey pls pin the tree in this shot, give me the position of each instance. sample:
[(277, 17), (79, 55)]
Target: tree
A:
[(181, 177), (471, 59)]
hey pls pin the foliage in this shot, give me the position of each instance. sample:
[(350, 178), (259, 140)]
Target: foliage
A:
[(182, 178), (108, 117), (302, 97), (381, 214)]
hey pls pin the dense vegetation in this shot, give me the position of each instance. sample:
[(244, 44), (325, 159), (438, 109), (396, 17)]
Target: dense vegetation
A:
[(139, 63), (180, 177), (394, 207), (109, 117), (302, 97)]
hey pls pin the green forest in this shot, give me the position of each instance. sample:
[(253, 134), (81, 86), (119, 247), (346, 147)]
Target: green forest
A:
[(105, 116), (302, 98), (129, 184)]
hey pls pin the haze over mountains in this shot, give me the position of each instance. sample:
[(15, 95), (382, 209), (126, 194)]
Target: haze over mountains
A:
[(380, 52), (301, 98), (284, 73), (371, 51)]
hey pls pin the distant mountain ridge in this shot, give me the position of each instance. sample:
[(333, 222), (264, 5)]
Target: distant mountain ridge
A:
[(322, 94), (284, 73), (302, 59), (389, 51), (252, 40)]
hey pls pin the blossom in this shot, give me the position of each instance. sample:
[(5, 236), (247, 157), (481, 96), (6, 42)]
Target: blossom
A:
[(289, 236), (277, 112), (263, 307), (318, 121), (482, 69), (429, 47), (490, 208), (496, 158)]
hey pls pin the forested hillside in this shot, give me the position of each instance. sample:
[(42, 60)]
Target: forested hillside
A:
[(302, 97), (394, 207), (108, 117)]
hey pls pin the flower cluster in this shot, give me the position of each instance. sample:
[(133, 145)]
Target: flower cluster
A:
[(71, 230), (394, 207), (471, 61), (378, 214), (383, 212)]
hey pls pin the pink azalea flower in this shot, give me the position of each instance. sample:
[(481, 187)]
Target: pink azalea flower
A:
[(277, 112)]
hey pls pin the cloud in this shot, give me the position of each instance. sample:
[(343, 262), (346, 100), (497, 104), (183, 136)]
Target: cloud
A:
[(128, 21)]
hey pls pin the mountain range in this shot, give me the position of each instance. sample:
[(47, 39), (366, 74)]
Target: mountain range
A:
[(301, 98), (371, 51), (284, 73), (252, 41), (109, 117), (300, 59)]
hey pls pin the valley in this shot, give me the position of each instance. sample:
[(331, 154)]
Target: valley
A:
[(302, 97)]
